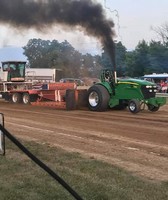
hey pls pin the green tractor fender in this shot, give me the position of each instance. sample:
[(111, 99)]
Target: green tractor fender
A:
[(99, 96), (111, 89), (107, 85)]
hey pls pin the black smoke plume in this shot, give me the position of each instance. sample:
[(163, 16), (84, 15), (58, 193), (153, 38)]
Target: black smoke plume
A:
[(42, 14)]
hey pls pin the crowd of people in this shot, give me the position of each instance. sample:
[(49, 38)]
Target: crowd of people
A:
[(163, 86)]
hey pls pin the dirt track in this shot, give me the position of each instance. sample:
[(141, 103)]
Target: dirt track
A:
[(138, 143)]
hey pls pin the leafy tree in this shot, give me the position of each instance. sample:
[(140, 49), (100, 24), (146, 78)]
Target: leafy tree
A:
[(105, 60), (120, 51), (52, 54), (162, 32), (130, 64), (120, 58), (39, 53), (138, 60), (158, 57), (97, 66), (145, 59)]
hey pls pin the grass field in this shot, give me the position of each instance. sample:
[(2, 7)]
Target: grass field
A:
[(21, 179)]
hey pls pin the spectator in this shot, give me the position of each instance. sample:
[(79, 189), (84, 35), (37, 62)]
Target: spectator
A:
[(163, 86)]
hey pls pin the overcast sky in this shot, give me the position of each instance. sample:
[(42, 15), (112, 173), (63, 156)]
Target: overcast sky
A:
[(136, 19), (133, 21)]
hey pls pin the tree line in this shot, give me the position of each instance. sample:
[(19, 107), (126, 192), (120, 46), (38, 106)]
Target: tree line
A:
[(146, 58)]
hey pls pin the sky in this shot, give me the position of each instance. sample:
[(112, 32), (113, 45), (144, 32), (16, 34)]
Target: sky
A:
[(133, 20), (12, 54)]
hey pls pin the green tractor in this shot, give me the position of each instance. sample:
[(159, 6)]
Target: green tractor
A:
[(122, 93)]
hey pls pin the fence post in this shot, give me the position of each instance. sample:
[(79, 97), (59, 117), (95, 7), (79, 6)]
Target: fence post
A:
[(2, 136)]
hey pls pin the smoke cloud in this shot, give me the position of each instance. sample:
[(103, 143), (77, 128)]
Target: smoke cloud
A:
[(43, 14)]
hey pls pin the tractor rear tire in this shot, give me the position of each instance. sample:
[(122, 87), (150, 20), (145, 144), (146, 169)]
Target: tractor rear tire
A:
[(16, 98), (98, 98), (134, 106), (153, 108)]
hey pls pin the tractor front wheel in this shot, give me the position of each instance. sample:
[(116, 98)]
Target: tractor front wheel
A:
[(134, 106), (98, 98)]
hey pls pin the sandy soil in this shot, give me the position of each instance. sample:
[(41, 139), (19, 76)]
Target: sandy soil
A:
[(137, 143)]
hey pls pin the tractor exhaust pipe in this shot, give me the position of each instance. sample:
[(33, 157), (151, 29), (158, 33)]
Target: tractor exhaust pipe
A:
[(115, 76)]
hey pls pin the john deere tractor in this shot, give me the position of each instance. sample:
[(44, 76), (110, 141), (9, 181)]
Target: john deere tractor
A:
[(122, 93)]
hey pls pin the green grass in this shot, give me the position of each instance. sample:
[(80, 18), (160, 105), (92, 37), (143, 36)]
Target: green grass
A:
[(21, 179)]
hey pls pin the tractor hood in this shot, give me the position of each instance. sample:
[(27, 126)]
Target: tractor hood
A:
[(135, 81)]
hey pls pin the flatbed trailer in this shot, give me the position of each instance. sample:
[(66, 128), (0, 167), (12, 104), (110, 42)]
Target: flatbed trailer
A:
[(58, 95), (15, 89)]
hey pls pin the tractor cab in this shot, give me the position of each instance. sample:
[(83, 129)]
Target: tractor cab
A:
[(13, 71), (107, 76)]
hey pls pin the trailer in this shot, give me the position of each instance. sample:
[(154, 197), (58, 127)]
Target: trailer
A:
[(15, 88)]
